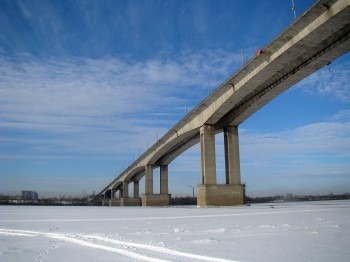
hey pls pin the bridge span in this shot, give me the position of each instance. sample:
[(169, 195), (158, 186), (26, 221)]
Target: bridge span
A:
[(317, 38)]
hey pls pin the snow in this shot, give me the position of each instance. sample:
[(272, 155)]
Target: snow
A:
[(301, 231)]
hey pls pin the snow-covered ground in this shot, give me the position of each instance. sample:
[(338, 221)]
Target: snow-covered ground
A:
[(303, 231)]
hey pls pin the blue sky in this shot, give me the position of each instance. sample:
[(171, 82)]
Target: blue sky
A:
[(86, 86)]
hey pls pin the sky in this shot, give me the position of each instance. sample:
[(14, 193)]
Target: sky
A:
[(87, 86)]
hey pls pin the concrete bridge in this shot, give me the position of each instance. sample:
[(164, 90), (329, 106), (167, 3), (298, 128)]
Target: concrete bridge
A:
[(317, 38)]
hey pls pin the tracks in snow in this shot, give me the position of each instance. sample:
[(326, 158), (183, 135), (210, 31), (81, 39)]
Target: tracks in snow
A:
[(134, 251)]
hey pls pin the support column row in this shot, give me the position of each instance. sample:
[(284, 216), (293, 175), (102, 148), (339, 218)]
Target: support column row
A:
[(124, 199), (151, 199), (209, 192)]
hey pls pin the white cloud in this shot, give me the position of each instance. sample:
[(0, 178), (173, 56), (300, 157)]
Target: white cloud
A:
[(108, 104), (342, 115), (316, 138), (331, 81), (199, 18), (306, 160)]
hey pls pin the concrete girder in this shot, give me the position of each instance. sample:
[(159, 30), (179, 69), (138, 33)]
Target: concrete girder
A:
[(139, 176), (237, 115), (295, 55), (134, 173), (177, 147), (116, 185), (172, 155)]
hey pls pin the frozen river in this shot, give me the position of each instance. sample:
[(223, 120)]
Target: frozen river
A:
[(302, 231)]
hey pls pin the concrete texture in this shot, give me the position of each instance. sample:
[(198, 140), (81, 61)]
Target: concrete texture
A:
[(130, 201), (114, 202), (232, 162), (156, 200), (220, 195), (207, 139), (125, 189), (164, 180), (148, 179), (136, 189)]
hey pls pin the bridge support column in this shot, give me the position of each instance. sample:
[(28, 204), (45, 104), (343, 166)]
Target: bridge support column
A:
[(162, 199), (207, 140), (136, 189), (148, 180), (113, 201), (125, 189), (163, 180), (124, 194), (135, 200), (210, 193), (105, 201), (232, 162), (108, 195), (130, 201)]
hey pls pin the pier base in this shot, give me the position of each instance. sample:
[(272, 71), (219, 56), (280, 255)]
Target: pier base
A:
[(130, 201), (156, 199), (220, 195), (114, 202)]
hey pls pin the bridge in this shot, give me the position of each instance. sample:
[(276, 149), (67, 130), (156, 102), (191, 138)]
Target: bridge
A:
[(318, 37)]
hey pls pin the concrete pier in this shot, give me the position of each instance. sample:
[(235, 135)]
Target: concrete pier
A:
[(148, 180), (125, 189), (114, 202), (155, 200), (130, 201), (151, 199), (136, 189), (232, 162), (164, 180), (220, 195), (207, 140), (209, 193)]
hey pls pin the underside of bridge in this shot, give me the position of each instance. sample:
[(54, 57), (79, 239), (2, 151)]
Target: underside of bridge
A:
[(317, 38)]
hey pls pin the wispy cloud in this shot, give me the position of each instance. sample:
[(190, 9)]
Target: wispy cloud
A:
[(297, 159), (331, 81), (90, 105), (199, 18), (324, 137)]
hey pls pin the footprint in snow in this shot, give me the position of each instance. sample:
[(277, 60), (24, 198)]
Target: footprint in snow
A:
[(206, 241), (179, 230)]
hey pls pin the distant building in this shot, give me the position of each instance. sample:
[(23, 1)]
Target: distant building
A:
[(29, 195)]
